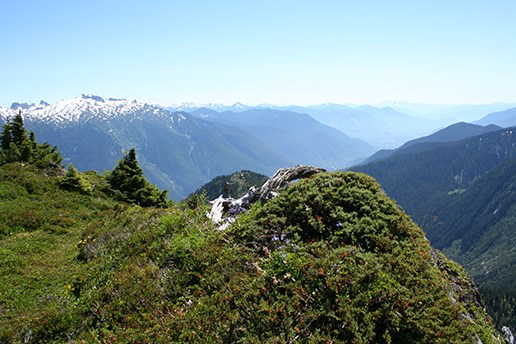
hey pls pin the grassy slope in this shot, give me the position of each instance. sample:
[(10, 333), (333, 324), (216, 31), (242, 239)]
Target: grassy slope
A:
[(85, 268), (40, 229)]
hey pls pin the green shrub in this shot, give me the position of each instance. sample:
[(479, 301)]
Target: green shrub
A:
[(74, 181)]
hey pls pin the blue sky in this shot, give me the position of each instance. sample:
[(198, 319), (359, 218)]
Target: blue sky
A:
[(262, 51)]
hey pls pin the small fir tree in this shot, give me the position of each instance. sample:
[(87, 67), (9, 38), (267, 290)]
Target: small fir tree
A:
[(129, 184), (73, 180), (18, 132), (25, 150)]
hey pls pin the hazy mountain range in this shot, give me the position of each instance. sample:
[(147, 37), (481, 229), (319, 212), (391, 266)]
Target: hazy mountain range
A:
[(381, 127), (297, 136), (385, 125), (454, 132), (506, 118), (454, 113)]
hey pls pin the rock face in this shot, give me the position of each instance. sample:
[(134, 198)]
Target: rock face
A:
[(224, 210), (507, 335)]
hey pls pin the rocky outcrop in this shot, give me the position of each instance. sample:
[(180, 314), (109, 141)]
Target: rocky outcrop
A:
[(507, 335), (224, 210)]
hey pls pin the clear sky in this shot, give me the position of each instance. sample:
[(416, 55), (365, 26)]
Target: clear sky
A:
[(259, 51)]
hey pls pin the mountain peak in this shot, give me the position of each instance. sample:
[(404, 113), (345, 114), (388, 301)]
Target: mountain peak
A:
[(93, 97), (28, 106), (23, 106)]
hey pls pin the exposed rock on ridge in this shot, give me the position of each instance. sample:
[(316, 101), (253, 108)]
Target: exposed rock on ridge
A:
[(224, 210)]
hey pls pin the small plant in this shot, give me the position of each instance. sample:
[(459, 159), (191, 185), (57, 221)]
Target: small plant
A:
[(74, 181)]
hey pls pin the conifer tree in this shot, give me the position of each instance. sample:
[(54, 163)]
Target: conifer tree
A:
[(32, 140), (25, 151), (18, 133), (129, 184), (74, 181), (18, 146), (5, 136)]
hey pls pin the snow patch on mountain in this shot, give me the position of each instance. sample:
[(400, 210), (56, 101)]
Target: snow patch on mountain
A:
[(82, 109)]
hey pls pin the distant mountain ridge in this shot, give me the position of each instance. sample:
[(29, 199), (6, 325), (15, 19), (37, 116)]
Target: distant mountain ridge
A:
[(419, 179), (455, 113), (188, 107), (296, 135), (385, 125), (382, 127), (506, 118), (85, 108), (454, 132)]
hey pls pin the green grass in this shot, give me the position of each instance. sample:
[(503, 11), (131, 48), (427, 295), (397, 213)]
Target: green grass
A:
[(37, 267), (41, 227)]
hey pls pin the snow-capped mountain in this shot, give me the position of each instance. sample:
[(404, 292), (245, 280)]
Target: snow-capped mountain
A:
[(82, 109)]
